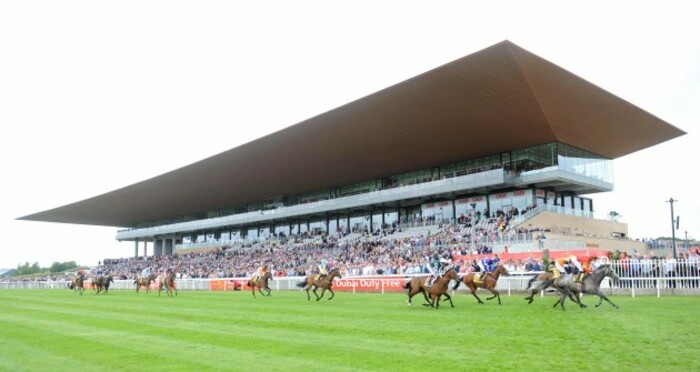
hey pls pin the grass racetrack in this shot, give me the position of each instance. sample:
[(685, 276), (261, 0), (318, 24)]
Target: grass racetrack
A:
[(57, 330)]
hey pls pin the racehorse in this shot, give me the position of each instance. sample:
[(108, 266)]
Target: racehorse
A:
[(76, 284), (260, 283), (488, 283), (544, 280), (145, 282), (589, 285), (325, 283), (417, 285), (169, 283), (102, 284), (439, 288)]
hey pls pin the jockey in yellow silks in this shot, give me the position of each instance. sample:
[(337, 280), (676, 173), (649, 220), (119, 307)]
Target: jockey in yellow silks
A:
[(555, 268), (260, 272)]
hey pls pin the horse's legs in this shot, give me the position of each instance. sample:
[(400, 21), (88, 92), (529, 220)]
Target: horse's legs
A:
[(332, 293), (562, 298), (252, 290), (308, 297), (316, 294), (538, 288), (604, 297), (449, 298), (473, 289), (323, 291), (427, 299)]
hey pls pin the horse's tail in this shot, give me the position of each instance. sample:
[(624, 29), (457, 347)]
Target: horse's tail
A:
[(529, 283), (301, 284), (458, 283)]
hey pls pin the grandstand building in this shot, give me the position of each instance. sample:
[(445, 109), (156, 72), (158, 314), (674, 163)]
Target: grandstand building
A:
[(498, 131)]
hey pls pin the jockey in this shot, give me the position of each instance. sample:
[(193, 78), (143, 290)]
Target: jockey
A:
[(484, 267), (602, 260), (554, 269), (322, 269), (444, 265), (576, 268), (560, 265), (261, 271), (494, 263)]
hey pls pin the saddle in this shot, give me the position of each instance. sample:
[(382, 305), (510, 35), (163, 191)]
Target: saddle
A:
[(479, 278)]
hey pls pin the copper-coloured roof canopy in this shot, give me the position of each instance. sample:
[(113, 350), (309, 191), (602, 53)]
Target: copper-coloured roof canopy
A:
[(498, 99)]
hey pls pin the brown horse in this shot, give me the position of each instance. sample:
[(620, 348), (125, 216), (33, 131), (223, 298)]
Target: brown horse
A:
[(102, 284), (260, 283), (76, 284), (439, 288), (169, 283), (145, 282), (416, 285), (488, 283), (325, 283)]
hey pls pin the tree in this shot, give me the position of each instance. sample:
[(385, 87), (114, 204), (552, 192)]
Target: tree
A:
[(58, 267), (27, 269)]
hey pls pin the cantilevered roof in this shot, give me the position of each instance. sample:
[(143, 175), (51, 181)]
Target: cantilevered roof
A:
[(498, 99)]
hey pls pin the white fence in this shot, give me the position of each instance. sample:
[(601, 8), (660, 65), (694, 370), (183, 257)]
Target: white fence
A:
[(637, 276)]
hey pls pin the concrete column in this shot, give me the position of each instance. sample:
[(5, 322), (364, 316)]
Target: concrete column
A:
[(169, 244), (136, 248), (145, 249), (157, 247)]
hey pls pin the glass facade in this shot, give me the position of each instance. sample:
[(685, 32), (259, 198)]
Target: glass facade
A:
[(574, 160), (554, 156)]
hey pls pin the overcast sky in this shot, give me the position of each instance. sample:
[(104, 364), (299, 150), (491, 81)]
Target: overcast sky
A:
[(95, 96)]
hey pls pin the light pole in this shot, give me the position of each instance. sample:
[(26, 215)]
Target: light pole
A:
[(673, 229)]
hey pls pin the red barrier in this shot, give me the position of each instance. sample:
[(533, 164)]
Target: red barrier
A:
[(370, 284), (228, 284)]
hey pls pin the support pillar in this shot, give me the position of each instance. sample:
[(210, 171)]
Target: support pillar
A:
[(136, 248), (157, 247), (145, 249), (169, 244)]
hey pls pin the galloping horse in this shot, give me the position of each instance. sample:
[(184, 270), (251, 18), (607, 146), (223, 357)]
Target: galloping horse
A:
[(102, 284), (326, 283), (589, 285), (260, 283), (145, 282), (169, 283), (417, 285), (544, 280), (439, 288), (76, 284), (488, 283)]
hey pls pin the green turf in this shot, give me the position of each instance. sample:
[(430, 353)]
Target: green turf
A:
[(195, 331)]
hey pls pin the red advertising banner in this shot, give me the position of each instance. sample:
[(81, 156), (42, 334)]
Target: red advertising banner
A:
[(370, 284), (519, 193), (228, 284)]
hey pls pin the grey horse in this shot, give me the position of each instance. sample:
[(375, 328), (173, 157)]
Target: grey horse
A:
[(590, 285)]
